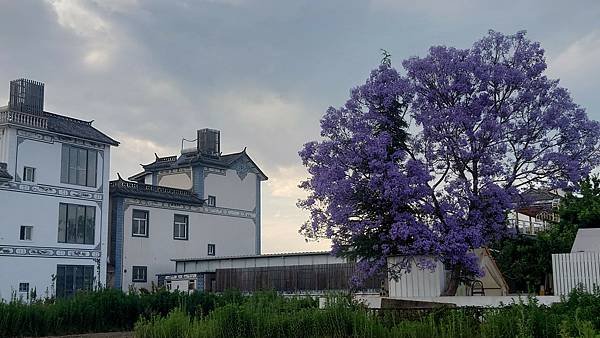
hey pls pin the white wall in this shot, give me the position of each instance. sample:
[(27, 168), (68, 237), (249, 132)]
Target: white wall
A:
[(418, 282), (36, 271), (232, 191), (573, 269), (37, 204), (231, 235)]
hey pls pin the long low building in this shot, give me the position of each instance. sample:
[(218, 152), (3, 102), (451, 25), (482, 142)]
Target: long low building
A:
[(315, 273), (306, 272)]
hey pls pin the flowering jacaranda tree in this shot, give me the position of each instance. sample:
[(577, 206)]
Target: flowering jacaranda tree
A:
[(487, 124)]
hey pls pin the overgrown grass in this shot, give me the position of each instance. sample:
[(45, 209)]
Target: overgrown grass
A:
[(165, 314), (99, 311), (265, 315)]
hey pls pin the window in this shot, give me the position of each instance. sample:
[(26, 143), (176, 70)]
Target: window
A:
[(140, 274), (29, 174), (70, 278), (180, 227), (212, 201), (25, 233), (139, 227), (211, 249), (78, 166), (23, 287), (76, 223)]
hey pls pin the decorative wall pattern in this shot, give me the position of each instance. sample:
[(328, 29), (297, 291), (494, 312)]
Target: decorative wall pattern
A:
[(243, 167), (205, 209), (216, 171), (8, 250), (49, 190)]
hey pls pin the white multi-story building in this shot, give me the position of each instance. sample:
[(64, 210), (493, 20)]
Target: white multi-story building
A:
[(54, 198), (199, 204)]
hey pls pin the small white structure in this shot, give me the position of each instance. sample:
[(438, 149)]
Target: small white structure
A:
[(199, 204), (53, 198), (581, 267)]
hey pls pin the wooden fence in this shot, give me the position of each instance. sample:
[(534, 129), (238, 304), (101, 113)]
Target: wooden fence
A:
[(574, 269), (299, 278)]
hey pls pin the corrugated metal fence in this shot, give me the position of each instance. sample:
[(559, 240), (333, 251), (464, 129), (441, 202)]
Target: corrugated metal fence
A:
[(572, 269)]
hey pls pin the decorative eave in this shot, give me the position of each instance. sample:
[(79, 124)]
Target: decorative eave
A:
[(190, 160)]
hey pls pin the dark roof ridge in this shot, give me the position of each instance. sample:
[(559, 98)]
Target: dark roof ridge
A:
[(68, 118)]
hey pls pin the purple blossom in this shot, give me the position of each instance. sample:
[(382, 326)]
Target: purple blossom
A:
[(490, 124)]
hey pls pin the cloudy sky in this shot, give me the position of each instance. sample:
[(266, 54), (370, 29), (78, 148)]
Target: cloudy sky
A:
[(263, 72)]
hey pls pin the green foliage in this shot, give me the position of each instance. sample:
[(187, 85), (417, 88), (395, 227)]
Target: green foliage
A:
[(267, 314), (526, 260), (275, 316), (99, 311), (582, 211)]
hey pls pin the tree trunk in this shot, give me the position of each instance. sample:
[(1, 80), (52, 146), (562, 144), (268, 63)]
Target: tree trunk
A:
[(452, 283)]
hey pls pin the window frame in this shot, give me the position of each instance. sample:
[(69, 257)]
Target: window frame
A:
[(214, 249), (139, 268), (177, 225), (147, 224), (31, 170), (72, 171), (24, 284), (23, 233), (73, 274), (71, 231), (211, 201)]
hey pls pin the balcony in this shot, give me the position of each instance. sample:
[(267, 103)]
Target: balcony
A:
[(23, 119), (153, 192)]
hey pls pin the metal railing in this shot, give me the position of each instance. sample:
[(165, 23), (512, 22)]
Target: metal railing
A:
[(24, 119)]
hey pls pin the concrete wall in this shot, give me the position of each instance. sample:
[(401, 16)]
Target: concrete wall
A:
[(181, 180), (37, 204)]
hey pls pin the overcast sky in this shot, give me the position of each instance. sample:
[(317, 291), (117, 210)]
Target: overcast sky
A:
[(263, 72)]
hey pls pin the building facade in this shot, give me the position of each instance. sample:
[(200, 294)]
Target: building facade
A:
[(199, 204), (54, 199)]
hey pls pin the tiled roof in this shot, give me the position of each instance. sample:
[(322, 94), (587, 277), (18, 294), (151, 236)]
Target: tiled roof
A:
[(4, 175), (56, 123), (154, 193), (196, 158), (78, 128)]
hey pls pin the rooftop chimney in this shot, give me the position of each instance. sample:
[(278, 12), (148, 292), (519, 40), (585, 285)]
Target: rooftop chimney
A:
[(209, 142), (26, 96)]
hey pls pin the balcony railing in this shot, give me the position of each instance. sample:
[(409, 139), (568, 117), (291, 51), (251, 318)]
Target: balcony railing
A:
[(23, 119), (140, 187)]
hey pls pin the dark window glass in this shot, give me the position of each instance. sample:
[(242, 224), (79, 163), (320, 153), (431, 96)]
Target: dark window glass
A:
[(212, 201), (28, 174), (70, 278), (64, 168), (211, 249), (79, 166), (62, 223), (92, 166), (23, 287), (90, 225), (140, 274), (76, 224), (25, 233)]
